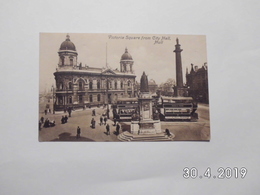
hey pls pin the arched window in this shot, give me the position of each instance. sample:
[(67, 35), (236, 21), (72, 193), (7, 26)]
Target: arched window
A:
[(98, 97), (80, 86), (71, 61), (129, 83), (98, 84), (90, 85), (61, 86), (90, 98)]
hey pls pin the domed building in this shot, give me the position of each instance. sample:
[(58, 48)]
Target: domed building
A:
[(67, 54), (126, 62), (82, 86)]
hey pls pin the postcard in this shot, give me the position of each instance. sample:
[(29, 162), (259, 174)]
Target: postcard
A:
[(123, 88)]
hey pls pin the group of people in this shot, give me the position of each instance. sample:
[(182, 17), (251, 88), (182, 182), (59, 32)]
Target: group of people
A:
[(47, 110), (64, 119), (103, 121), (46, 123)]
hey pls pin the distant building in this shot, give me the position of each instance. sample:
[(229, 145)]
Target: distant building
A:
[(151, 85), (79, 86), (197, 83)]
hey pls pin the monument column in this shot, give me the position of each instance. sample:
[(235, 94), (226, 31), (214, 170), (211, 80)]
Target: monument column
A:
[(179, 90)]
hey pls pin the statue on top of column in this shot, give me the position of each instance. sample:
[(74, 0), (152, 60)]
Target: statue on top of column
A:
[(144, 83)]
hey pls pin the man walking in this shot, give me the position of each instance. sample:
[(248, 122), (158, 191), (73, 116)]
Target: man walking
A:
[(93, 123), (101, 120), (105, 120), (108, 129), (78, 132), (117, 128), (93, 112)]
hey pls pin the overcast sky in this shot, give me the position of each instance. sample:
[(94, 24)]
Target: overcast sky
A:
[(157, 59)]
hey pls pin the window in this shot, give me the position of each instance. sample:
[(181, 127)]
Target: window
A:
[(98, 97), (129, 83), (60, 100), (90, 85), (90, 98), (61, 86), (121, 84), (80, 98), (70, 86), (115, 84), (71, 62), (80, 86), (98, 84), (62, 60), (70, 100)]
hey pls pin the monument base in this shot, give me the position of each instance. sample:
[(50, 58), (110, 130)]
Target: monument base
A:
[(145, 127), (127, 137)]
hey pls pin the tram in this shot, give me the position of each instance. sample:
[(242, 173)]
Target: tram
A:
[(177, 108), (125, 108)]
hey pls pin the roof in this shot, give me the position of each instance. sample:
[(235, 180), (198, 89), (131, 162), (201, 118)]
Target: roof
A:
[(176, 98), (67, 44), (127, 99), (87, 69), (126, 55)]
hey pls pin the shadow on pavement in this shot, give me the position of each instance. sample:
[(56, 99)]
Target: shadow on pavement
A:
[(68, 137)]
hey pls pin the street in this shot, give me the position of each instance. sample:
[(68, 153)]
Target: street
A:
[(182, 130)]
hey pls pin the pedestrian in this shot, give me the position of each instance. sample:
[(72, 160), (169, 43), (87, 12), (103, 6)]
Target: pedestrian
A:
[(101, 120), (167, 132), (105, 120), (114, 121), (40, 125), (65, 119), (78, 132), (108, 113), (108, 129), (46, 123), (42, 119), (62, 120), (93, 123), (93, 112), (69, 111), (117, 128)]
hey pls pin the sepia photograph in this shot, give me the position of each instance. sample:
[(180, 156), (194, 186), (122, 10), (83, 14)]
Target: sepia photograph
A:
[(123, 88)]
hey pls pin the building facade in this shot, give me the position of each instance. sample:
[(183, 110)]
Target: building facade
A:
[(81, 86), (197, 83), (153, 87)]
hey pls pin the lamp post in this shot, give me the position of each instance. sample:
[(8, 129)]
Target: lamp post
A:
[(107, 98), (53, 102)]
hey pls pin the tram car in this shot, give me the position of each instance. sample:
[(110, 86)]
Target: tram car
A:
[(177, 108), (125, 108)]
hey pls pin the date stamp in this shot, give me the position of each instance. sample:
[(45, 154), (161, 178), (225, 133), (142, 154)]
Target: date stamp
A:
[(220, 173)]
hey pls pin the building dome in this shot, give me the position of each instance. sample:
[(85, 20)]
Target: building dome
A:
[(126, 55), (67, 44)]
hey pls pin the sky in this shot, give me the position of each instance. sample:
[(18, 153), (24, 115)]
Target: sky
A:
[(151, 53)]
